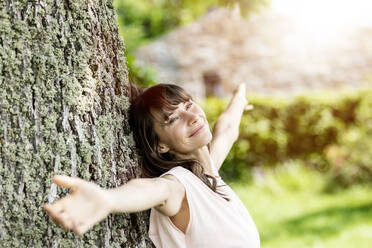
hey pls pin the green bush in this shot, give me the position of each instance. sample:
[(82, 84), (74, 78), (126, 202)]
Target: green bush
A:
[(328, 131), (140, 75)]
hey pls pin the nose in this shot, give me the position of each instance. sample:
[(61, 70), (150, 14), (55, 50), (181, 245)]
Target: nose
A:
[(192, 118)]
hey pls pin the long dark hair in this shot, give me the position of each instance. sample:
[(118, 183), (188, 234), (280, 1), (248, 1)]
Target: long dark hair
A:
[(162, 97)]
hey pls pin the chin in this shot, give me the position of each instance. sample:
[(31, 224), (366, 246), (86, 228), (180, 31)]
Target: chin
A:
[(206, 139), (210, 137), (201, 140)]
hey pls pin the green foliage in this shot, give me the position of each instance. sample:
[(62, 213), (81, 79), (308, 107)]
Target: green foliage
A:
[(140, 75), (143, 20), (351, 157), (329, 132)]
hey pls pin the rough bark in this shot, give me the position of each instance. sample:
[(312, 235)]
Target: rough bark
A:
[(63, 110)]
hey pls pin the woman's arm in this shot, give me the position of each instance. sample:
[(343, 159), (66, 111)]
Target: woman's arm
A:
[(88, 203), (163, 193), (226, 129)]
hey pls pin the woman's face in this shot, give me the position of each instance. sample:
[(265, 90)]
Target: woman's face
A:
[(185, 130)]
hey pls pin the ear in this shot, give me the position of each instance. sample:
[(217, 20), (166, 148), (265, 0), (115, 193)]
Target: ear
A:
[(162, 148)]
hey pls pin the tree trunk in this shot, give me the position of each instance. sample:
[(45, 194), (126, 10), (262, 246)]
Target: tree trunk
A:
[(63, 110)]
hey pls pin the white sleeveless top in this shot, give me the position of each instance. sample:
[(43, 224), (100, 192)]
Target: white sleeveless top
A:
[(214, 222)]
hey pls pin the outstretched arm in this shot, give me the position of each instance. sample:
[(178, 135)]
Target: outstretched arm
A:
[(88, 203), (226, 129)]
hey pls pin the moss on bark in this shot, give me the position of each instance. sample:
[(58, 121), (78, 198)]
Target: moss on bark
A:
[(63, 110)]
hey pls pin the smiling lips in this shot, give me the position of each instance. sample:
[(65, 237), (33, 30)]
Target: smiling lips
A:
[(197, 130)]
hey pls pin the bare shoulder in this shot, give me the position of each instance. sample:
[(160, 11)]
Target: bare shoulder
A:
[(174, 184), (176, 195)]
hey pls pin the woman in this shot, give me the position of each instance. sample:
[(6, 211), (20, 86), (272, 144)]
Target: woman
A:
[(191, 206)]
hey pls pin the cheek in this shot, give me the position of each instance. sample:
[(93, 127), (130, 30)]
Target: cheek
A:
[(200, 111), (177, 135), (180, 132)]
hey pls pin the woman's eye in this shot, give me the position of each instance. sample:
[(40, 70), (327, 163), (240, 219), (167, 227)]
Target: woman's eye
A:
[(189, 105), (171, 120)]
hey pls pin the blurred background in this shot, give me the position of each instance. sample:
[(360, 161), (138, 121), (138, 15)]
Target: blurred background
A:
[(303, 161)]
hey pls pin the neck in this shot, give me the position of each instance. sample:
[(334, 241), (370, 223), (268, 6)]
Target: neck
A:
[(203, 156)]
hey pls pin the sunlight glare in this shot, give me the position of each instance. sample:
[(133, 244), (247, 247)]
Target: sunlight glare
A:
[(325, 22)]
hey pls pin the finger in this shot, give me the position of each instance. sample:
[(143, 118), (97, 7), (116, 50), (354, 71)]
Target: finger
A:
[(47, 208), (53, 209), (242, 87), (84, 227), (87, 224), (66, 181), (59, 216), (249, 107), (81, 229), (53, 213), (57, 207), (64, 220)]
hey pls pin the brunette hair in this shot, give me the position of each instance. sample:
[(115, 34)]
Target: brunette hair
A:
[(162, 97)]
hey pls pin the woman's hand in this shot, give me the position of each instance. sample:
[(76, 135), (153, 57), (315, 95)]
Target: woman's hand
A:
[(240, 92), (85, 206)]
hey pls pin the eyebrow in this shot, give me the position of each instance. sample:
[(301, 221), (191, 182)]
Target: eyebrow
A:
[(165, 120), (167, 115)]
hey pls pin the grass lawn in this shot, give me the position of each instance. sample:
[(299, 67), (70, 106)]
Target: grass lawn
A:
[(291, 209)]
